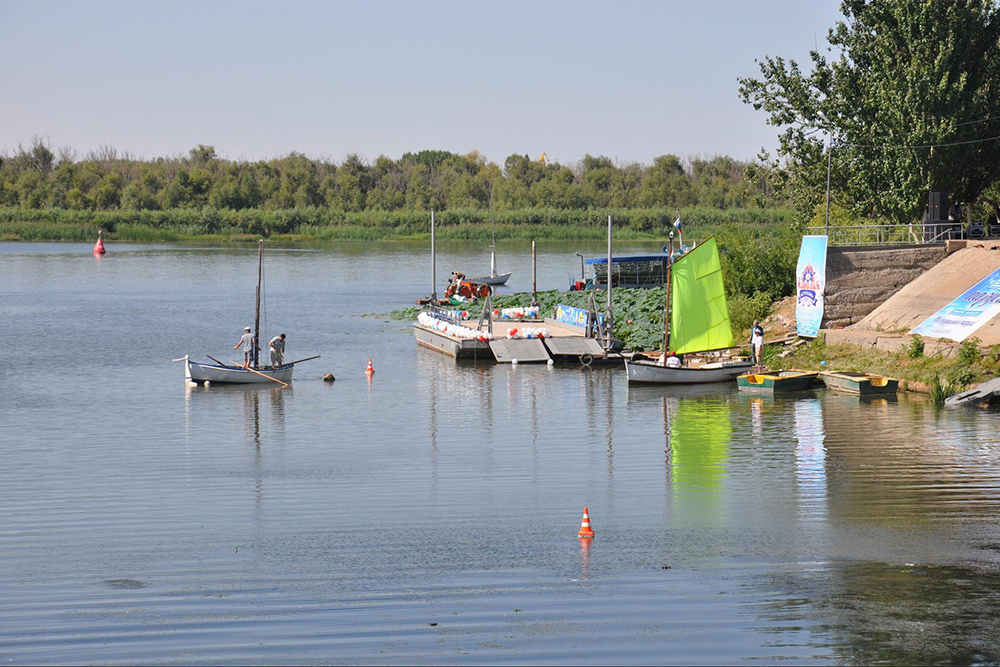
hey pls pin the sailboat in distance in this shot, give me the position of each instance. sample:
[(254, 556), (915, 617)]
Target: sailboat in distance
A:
[(696, 321), (494, 278)]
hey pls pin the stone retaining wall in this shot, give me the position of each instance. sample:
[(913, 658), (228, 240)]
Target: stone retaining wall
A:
[(858, 280)]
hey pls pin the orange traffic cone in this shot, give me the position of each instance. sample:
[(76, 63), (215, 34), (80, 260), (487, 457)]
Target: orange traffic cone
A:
[(585, 529), (370, 370)]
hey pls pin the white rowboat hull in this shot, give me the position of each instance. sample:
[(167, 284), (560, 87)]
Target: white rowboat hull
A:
[(201, 373), (492, 280), (652, 373)]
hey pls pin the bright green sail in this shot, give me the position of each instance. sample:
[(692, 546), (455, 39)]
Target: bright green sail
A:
[(699, 318)]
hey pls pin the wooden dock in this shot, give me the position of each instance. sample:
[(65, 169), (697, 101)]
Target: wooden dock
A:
[(566, 342)]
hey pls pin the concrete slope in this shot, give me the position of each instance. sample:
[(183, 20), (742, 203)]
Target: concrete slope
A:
[(936, 288)]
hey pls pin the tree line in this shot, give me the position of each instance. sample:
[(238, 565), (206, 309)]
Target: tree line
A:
[(38, 177)]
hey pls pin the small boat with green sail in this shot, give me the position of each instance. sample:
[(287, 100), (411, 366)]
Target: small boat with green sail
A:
[(697, 322)]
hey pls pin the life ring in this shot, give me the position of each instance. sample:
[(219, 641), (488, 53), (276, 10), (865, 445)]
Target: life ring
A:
[(465, 290), (484, 291), (586, 359), (450, 290)]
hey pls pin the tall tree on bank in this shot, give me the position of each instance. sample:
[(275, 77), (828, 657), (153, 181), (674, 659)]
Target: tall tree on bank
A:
[(910, 98)]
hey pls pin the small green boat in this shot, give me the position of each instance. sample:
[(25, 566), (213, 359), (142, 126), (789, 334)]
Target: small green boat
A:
[(780, 382), (461, 301), (861, 384)]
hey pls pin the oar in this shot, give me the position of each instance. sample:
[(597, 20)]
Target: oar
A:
[(301, 360), (283, 384), (215, 360)]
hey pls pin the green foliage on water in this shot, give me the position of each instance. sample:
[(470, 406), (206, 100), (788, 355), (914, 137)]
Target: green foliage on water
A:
[(638, 312)]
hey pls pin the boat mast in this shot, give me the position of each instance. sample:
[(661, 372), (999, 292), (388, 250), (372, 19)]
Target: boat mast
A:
[(434, 296), (493, 252), (666, 306), (256, 324), (608, 316), (534, 283)]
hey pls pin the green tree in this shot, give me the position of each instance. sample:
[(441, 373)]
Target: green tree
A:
[(665, 183), (202, 154), (903, 76)]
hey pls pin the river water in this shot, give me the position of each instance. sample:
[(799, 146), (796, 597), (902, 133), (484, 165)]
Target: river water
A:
[(430, 515)]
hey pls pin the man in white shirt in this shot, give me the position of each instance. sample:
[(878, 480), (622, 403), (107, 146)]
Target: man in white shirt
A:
[(247, 342)]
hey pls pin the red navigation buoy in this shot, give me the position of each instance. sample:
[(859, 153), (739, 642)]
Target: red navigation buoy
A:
[(99, 246)]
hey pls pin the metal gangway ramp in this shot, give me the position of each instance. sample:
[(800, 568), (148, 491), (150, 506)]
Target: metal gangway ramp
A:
[(524, 350), (574, 346)]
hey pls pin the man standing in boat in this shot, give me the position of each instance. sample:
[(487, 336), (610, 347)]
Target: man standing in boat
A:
[(247, 342), (277, 349)]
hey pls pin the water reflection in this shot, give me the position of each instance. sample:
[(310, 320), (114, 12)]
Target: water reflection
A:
[(810, 458), (699, 435)]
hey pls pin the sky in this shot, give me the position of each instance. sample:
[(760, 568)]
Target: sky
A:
[(257, 80)]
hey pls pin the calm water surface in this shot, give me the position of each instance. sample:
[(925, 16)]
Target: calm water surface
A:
[(430, 515)]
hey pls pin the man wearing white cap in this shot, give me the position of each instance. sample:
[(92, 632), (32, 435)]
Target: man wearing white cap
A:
[(247, 342)]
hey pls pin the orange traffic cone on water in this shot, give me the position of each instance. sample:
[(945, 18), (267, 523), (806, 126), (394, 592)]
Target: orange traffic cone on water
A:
[(99, 246), (370, 370), (585, 529)]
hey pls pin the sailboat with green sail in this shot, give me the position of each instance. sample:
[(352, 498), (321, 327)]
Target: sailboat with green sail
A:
[(696, 321)]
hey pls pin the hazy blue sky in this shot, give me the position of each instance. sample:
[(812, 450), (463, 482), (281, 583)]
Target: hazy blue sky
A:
[(626, 80)]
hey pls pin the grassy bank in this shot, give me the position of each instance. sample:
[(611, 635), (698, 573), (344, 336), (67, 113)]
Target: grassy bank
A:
[(322, 224), (916, 370)]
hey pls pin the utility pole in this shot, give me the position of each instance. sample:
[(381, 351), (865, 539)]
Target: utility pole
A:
[(829, 153)]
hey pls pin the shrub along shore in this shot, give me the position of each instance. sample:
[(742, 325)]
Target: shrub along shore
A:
[(324, 224)]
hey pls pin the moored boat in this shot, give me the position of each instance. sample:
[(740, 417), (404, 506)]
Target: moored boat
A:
[(697, 322), (649, 372), (778, 382), (494, 280), (862, 384)]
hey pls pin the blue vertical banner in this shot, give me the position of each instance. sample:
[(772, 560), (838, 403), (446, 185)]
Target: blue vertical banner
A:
[(810, 280)]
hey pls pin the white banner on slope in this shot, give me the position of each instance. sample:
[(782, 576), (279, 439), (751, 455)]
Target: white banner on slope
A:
[(977, 306)]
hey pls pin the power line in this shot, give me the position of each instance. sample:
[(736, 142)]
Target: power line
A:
[(954, 143)]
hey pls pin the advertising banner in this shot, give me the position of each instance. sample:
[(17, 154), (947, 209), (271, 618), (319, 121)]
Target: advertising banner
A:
[(575, 316), (810, 280), (977, 306)]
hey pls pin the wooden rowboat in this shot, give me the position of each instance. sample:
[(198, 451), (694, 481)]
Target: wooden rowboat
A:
[(779, 382), (861, 384)]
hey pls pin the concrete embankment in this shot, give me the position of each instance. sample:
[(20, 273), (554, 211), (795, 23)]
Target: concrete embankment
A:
[(959, 266)]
